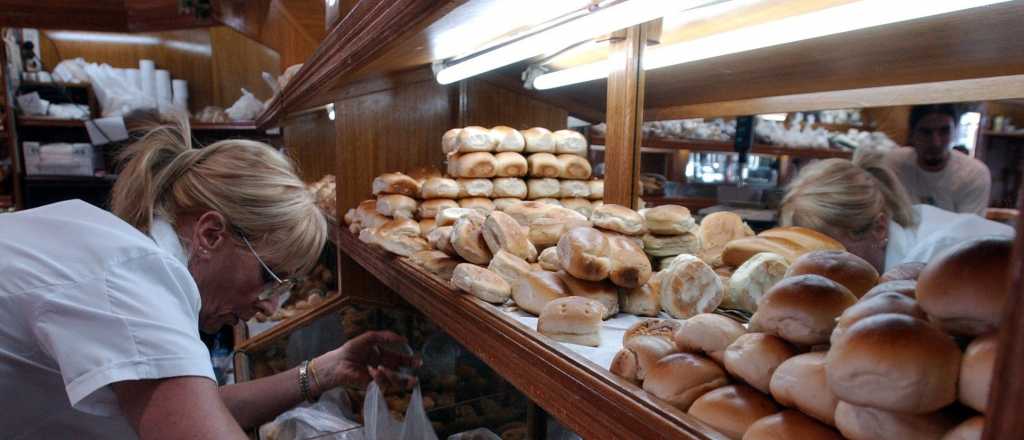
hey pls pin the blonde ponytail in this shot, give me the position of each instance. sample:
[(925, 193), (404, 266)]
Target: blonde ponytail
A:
[(252, 185)]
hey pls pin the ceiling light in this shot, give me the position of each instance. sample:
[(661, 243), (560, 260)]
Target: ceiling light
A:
[(100, 37)]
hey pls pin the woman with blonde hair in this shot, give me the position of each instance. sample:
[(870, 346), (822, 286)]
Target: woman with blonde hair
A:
[(863, 205), (101, 311)]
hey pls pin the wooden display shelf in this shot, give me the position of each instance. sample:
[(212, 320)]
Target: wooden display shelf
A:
[(287, 326), (42, 121), (727, 147), (589, 399), (224, 126), (691, 203)]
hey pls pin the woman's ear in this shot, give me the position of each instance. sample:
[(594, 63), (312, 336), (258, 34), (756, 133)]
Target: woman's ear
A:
[(210, 232), (880, 228)]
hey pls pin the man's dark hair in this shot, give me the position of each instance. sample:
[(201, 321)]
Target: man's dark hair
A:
[(918, 112)]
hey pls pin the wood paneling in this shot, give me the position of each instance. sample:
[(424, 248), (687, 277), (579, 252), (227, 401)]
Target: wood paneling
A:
[(99, 15), (893, 121), (238, 63), (310, 142), (625, 116), (294, 28), (488, 105)]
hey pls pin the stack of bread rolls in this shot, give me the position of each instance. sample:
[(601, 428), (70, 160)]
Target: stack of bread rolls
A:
[(671, 231)]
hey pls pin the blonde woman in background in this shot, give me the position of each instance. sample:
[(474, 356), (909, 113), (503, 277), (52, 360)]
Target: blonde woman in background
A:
[(863, 205), (100, 313)]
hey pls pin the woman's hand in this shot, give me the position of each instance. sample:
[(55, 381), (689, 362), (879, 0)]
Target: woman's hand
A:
[(364, 358)]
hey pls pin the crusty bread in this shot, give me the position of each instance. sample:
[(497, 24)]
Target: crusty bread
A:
[(732, 409), (441, 239), (574, 167), (480, 282), (638, 355), (802, 309), (800, 382), (864, 423), (707, 333), (603, 292), (618, 218), (448, 216), (468, 241), (574, 188), (906, 271), (396, 206), (509, 164), (629, 265), (681, 378), (536, 289), (572, 319), (670, 220), (510, 187), (548, 259), (507, 139), (964, 289), (503, 203), (430, 208), (842, 267), (644, 300), (976, 372), (689, 287), (570, 142), (482, 205), (885, 302), (474, 165), (596, 189), (716, 230), (509, 266), (789, 424), (543, 165), (395, 183), (502, 232), (427, 225), (584, 253), (754, 357), (543, 188), (578, 204), (753, 279), (671, 245), (907, 288), (450, 141), (539, 140), (435, 262), (475, 138), (439, 188)]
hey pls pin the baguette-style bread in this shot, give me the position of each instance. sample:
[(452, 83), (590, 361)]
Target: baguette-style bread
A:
[(396, 206), (539, 140), (507, 139), (570, 142), (395, 183), (474, 165), (572, 319), (543, 165), (430, 208), (482, 283), (473, 139), (808, 239), (574, 167), (439, 188), (510, 164)]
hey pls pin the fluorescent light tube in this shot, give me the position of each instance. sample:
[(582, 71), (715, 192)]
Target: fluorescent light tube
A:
[(603, 21), (831, 21), (100, 37)]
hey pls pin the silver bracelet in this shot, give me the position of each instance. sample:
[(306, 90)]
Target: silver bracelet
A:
[(304, 382)]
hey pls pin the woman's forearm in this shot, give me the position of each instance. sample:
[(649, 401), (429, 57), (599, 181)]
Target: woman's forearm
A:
[(259, 401)]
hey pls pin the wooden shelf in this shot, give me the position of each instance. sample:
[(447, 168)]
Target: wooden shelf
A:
[(691, 203), (224, 126), (586, 397), (42, 121), (1018, 135), (727, 147)]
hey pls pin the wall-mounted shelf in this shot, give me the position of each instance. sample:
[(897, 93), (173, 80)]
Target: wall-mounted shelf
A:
[(1016, 135), (727, 147), (42, 121)]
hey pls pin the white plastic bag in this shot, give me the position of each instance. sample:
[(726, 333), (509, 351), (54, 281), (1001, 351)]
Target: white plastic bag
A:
[(116, 96), (379, 425), (71, 71), (331, 414), (247, 108), (476, 434)]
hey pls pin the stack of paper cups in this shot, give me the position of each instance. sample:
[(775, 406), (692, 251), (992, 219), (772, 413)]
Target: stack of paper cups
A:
[(180, 89), (163, 90), (147, 73)]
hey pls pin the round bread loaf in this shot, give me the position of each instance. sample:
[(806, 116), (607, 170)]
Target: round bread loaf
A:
[(475, 138), (670, 220), (542, 188), (629, 265), (482, 283), (502, 232), (907, 288), (574, 188), (753, 357), (970, 429), (508, 266), (596, 189), (439, 188), (481, 205), (475, 188), (579, 204), (732, 409), (618, 218), (570, 142), (802, 309), (534, 290), (574, 167), (885, 302), (638, 355), (476, 165), (396, 206), (507, 139), (395, 183), (435, 262), (644, 300), (717, 229), (430, 208), (539, 140), (800, 382), (450, 141), (976, 372), (652, 328), (689, 287), (441, 239), (556, 223), (572, 319), (583, 253), (671, 245), (964, 289), (510, 187), (448, 216), (708, 333), (753, 279), (548, 259), (543, 165), (864, 423), (894, 362), (601, 291), (468, 239), (427, 225), (845, 268), (503, 203), (906, 271), (509, 164), (681, 378), (788, 425)]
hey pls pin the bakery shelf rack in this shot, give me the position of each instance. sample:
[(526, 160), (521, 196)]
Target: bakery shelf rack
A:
[(664, 146)]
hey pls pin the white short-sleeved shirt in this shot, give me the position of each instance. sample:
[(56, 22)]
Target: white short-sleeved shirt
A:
[(936, 231), (87, 300), (962, 186)]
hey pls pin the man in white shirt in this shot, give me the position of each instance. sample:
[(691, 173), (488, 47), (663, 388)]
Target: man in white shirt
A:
[(931, 172)]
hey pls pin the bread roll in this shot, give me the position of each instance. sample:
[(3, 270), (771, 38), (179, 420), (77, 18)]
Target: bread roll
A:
[(896, 363), (510, 165), (976, 372), (800, 382), (574, 188), (399, 227), (510, 187), (583, 253), (475, 165), (475, 188), (399, 236), (689, 287), (441, 239), (681, 378), (638, 355), (971, 429), (430, 208), (753, 279), (802, 309), (542, 188), (716, 230), (475, 138), (572, 319), (548, 259), (543, 165), (450, 141), (403, 245), (885, 302), (964, 289), (906, 271), (395, 183), (578, 204), (596, 189), (708, 333), (508, 266), (664, 329), (644, 300), (480, 282), (732, 409), (448, 216), (396, 206), (481, 205), (539, 140), (907, 288), (670, 220), (427, 225), (845, 268), (601, 291), (439, 188), (787, 425), (629, 265), (534, 290), (754, 357), (452, 166), (619, 219), (570, 142), (863, 423), (502, 232), (547, 223), (671, 245), (435, 262), (507, 139), (574, 167), (550, 201), (424, 172), (365, 208), (468, 240), (502, 204)]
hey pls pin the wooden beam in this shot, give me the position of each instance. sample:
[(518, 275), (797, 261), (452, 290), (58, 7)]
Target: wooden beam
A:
[(975, 89), (625, 116)]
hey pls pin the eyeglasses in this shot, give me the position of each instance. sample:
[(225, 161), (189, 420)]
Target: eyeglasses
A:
[(279, 285)]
